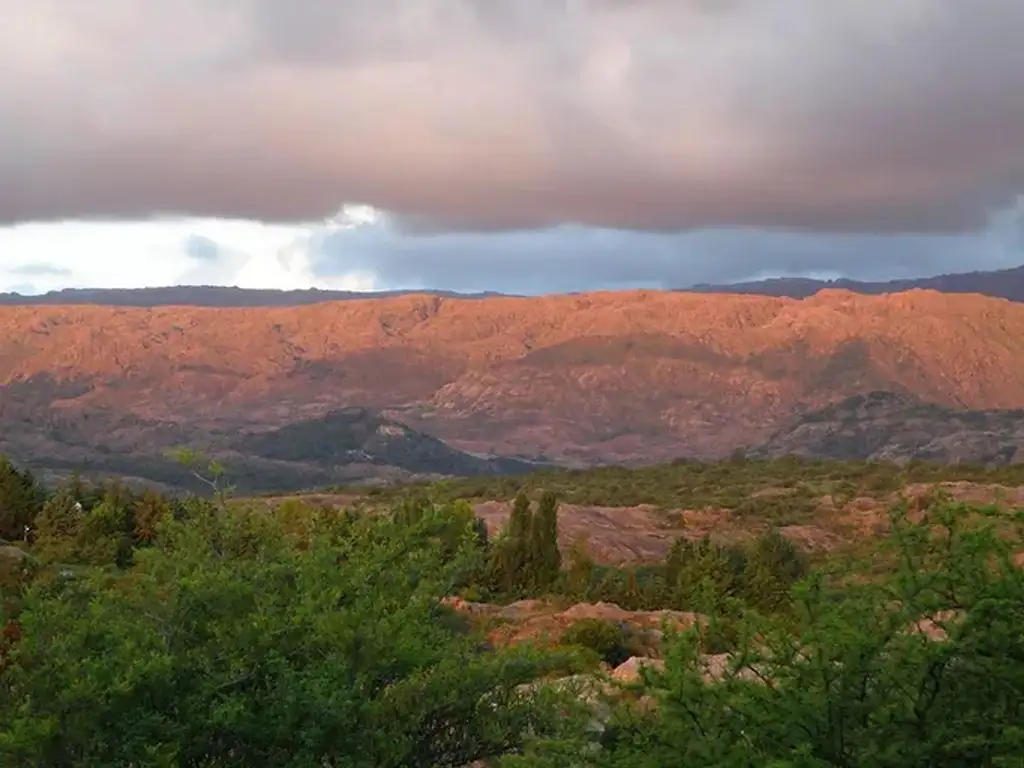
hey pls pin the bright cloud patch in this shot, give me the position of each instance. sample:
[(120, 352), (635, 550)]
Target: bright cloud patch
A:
[(38, 257)]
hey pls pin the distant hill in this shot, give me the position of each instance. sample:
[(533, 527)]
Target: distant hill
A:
[(206, 296), (887, 426), (344, 446), (360, 436), (1002, 283)]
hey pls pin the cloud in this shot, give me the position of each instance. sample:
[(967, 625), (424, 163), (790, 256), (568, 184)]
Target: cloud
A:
[(113, 254), (363, 249), (572, 258), (868, 116), (40, 270), (526, 145)]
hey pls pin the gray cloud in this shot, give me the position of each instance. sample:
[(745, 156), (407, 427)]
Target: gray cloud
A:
[(848, 115), (572, 258)]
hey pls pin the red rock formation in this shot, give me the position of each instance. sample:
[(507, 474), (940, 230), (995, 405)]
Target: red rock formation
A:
[(602, 376)]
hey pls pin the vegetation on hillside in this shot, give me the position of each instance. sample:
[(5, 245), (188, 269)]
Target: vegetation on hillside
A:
[(893, 426), (147, 630), (790, 484), (363, 436), (923, 668)]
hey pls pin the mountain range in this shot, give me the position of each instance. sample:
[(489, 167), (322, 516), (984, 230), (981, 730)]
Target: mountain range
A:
[(631, 377), (1001, 283), (1004, 284)]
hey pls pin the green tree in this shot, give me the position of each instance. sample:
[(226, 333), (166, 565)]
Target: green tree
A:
[(510, 566), (772, 567), (101, 538), (76, 487), (150, 510), (545, 559), (611, 586), (228, 644), (58, 526), (632, 597), (21, 500), (704, 574), (520, 521), (606, 638), (209, 472)]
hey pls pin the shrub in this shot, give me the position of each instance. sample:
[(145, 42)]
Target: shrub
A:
[(606, 638)]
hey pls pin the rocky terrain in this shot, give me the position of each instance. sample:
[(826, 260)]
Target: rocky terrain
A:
[(821, 516), (883, 426), (607, 377)]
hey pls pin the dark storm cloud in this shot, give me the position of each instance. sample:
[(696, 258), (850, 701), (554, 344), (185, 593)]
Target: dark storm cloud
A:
[(848, 115)]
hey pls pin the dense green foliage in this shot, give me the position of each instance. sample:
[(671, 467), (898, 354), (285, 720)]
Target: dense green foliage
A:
[(21, 499), (144, 630), (854, 681), (242, 638), (525, 559), (605, 638), (696, 576), (796, 485)]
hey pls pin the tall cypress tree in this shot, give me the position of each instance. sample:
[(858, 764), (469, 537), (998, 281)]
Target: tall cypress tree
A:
[(521, 520), (511, 555), (545, 558)]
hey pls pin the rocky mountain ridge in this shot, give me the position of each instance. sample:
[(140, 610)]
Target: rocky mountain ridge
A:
[(631, 377)]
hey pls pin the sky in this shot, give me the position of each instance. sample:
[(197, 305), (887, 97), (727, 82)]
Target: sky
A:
[(526, 146)]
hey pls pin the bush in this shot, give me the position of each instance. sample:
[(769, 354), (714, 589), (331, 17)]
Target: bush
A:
[(606, 638), (773, 566)]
